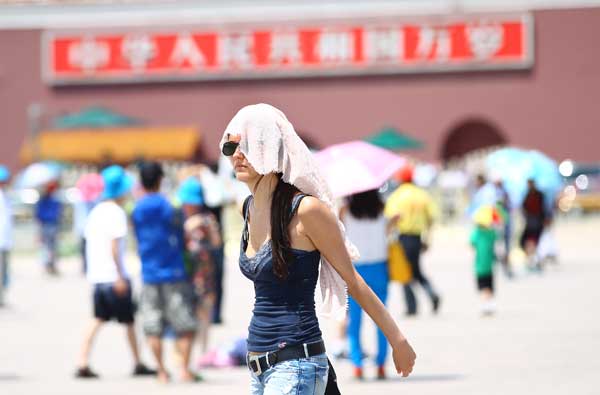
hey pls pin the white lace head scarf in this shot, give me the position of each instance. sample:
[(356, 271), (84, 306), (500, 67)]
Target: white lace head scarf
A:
[(271, 145)]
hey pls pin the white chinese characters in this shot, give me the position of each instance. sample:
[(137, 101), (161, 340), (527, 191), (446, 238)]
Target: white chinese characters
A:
[(89, 54), (186, 51), (383, 45), (138, 49), (285, 47), (485, 39), (335, 46)]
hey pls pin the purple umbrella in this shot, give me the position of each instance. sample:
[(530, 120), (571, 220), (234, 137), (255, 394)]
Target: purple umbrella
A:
[(357, 166)]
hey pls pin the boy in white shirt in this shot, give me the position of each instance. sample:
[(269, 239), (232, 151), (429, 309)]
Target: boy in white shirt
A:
[(105, 233)]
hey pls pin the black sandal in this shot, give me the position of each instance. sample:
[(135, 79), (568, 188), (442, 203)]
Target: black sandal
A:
[(142, 370), (86, 373)]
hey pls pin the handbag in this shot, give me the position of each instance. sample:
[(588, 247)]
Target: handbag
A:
[(398, 265), (332, 387)]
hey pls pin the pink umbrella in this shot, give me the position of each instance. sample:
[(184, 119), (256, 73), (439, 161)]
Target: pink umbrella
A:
[(90, 186), (357, 166)]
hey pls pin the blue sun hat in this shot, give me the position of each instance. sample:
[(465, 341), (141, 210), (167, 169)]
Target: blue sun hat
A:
[(190, 192), (116, 182), (4, 173)]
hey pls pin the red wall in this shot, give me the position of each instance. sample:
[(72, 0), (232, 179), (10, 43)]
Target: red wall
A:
[(554, 107)]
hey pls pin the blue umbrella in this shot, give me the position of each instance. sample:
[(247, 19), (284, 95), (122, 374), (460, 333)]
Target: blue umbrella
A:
[(516, 166), (484, 196)]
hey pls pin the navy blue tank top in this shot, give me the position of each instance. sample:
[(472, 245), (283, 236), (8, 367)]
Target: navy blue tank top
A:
[(284, 310)]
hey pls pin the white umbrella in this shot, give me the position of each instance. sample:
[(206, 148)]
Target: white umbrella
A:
[(37, 175)]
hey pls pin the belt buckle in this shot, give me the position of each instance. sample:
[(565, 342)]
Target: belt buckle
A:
[(306, 354), (254, 358)]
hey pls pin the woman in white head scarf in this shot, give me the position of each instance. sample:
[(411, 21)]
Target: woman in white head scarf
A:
[(290, 225)]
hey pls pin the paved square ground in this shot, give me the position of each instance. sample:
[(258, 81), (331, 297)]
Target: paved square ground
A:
[(545, 338)]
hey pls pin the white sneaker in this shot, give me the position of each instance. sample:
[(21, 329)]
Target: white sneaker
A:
[(488, 308)]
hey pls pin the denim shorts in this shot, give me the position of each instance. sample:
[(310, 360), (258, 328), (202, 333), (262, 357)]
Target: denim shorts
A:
[(305, 376)]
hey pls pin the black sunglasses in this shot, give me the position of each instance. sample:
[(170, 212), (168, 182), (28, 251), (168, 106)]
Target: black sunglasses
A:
[(229, 148)]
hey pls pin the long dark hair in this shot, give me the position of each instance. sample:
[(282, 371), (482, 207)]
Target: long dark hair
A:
[(281, 216), (365, 204)]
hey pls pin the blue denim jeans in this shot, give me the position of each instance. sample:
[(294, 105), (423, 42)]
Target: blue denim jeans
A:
[(306, 376), (4, 274), (49, 235), (376, 277)]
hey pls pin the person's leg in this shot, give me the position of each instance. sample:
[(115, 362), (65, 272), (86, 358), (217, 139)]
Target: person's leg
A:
[(418, 275), (507, 245), (415, 262), (354, 323), (378, 281), (151, 309), (205, 311), (155, 343), (102, 313), (491, 286), (487, 294), (485, 283), (44, 247), (184, 344), (180, 312), (297, 376), (410, 299), (539, 263), (55, 234), (52, 236), (83, 256), (339, 344), (256, 387), (201, 316), (218, 256), (88, 341), (504, 261), (411, 251), (530, 251), (124, 311), (133, 345), (3, 275), (49, 234), (523, 239), (529, 242)]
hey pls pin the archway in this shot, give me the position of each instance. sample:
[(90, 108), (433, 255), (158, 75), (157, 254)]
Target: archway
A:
[(469, 136)]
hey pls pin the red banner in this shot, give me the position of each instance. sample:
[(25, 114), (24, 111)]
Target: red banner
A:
[(313, 49)]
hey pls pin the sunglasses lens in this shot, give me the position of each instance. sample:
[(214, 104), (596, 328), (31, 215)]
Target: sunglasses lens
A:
[(229, 148)]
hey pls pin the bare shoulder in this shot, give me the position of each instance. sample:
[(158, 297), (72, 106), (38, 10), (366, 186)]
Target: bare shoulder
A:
[(240, 204), (342, 214), (312, 209), (311, 205)]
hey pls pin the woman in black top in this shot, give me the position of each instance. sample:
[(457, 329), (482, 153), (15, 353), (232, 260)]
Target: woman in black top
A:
[(290, 224)]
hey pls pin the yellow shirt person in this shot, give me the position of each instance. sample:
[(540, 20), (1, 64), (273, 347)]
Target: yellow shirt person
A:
[(413, 208)]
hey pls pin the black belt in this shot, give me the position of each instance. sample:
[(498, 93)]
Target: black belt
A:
[(259, 364)]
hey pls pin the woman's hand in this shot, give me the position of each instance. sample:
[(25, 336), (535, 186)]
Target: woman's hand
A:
[(404, 357)]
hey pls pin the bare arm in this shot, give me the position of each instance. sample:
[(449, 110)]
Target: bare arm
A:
[(120, 285), (320, 225), (117, 256), (214, 233), (391, 224), (342, 213), (391, 212)]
